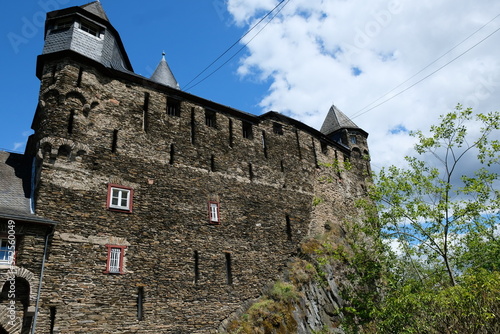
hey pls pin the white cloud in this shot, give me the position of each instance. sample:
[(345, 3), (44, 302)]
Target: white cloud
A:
[(309, 50)]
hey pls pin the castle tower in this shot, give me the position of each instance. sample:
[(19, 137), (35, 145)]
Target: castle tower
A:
[(86, 31), (340, 128)]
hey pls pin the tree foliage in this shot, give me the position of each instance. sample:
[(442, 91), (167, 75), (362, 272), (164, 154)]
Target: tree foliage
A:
[(443, 208), (442, 211)]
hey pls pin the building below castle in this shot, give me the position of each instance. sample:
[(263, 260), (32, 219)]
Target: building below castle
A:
[(140, 208)]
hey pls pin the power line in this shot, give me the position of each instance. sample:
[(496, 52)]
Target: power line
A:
[(233, 45), (360, 112)]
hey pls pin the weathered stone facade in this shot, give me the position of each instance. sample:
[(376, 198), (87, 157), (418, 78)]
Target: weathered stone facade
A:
[(176, 153)]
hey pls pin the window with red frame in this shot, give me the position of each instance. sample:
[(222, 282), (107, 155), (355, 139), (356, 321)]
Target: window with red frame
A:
[(120, 198), (114, 264), (213, 212)]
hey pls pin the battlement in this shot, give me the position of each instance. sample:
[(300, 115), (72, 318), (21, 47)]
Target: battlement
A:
[(143, 120)]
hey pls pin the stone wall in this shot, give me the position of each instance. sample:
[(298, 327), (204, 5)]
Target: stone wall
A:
[(93, 129)]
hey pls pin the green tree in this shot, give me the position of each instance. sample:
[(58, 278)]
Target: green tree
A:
[(443, 216)]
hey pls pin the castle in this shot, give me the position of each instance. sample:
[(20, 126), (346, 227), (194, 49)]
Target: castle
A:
[(140, 208)]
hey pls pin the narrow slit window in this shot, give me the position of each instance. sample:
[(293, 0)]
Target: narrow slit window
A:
[(214, 214), (229, 273), (196, 267), (172, 154), (314, 152), (282, 166), (264, 144), (337, 162), (79, 79), (288, 228), (53, 312), (193, 133), (250, 171), (212, 163), (298, 144), (54, 71), (114, 144), (71, 121), (145, 113), (140, 303), (230, 133)]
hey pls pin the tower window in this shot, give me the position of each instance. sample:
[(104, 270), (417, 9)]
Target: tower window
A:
[(354, 140), (114, 263), (90, 28), (120, 198), (63, 24)]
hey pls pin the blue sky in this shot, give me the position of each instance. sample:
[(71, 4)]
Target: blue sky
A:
[(191, 39), (393, 66)]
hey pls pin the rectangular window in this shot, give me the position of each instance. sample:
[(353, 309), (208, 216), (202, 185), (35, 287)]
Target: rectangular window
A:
[(7, 250), (119, 198), (278, 128), (324, 147), (213, 208), (173, 107), (114, 264), (63, 24), (247, 130), (354, 140), (210, 119), (90, 28)]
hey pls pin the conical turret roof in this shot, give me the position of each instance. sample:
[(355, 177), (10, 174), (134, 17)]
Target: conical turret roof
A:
[(163, 75), (96, 9), (336, 120)]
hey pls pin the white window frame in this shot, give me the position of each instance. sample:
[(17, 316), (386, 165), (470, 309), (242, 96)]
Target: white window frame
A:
[(7, 251), (115, 261), (116, 196), (115, 255), (213, 212)]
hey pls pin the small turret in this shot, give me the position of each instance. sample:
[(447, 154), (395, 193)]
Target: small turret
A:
[(86, 31), (340, 128), (163, 75)]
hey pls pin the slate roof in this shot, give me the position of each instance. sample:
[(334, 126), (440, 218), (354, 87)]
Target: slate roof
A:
[(336, 120), (96, 9), (15, 188), (163, 75)]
